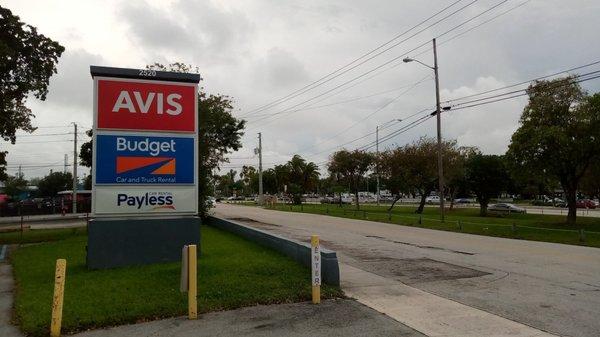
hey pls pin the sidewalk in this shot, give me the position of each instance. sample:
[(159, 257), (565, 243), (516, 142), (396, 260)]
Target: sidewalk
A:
[(331, 318), (6, 301), (429, 314), (15, 220)]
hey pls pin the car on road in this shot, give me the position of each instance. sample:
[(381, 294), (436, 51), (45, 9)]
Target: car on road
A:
[(505, 208), (463, 201), (433, 199)]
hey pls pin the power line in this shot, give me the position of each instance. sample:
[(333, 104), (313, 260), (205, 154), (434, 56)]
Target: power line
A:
[(317, 83), (528, 81), (387, 62)]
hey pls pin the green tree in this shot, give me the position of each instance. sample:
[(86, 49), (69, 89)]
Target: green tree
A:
[(560, 132), (27, 61), (302, 177), (55, 182), (351, 166), (590, 182), (85, 151), (487, 177), (412, 169), (13, 185)]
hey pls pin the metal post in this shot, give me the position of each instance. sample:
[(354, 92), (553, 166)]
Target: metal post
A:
[(439, 131), (75, 168), (377, 162), (260, 177)]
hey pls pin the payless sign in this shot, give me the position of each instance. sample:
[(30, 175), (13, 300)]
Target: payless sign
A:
[(145, 142), (134, 105)]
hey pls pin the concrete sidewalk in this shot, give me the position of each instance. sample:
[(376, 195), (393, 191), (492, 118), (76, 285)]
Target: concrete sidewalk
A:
[(429, 314), (6, 301), (331, 318), (14, 220)]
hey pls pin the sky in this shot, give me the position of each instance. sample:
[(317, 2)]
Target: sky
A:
[(258, 52)]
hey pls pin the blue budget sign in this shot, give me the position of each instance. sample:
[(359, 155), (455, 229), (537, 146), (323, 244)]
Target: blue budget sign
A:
[(124, 159)]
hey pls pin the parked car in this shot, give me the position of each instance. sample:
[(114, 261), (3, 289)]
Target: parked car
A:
[(505, 208), (211, 202), (463, 201), (586, 203), (434, 199)]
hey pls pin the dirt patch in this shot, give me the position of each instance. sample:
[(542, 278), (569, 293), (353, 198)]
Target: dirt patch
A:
[(412, 271)]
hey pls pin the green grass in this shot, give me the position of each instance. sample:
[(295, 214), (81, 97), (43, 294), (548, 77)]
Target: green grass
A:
[(232, 273), (537, 227)]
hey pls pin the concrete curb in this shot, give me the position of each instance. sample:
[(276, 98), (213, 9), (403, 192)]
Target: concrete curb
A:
[(299, 251), (40, 218)]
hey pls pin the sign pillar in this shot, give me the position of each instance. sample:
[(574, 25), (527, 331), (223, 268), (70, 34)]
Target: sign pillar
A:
[(145, 170)]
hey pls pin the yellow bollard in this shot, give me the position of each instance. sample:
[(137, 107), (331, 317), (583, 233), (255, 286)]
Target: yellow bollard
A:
[(192, 283), (316, 269), (57, 300)]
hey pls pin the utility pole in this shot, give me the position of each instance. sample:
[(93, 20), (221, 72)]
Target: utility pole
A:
[(74, 167), (260, 177), (439, 131), (66, 163), (377, 161)]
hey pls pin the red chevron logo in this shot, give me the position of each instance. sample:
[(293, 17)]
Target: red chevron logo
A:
[(126, 164)]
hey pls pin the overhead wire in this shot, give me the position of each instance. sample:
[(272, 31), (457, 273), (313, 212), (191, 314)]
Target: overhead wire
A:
[(389, 61), (312, 85)]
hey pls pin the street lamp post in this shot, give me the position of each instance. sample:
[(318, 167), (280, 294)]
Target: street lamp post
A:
[(439, 125)]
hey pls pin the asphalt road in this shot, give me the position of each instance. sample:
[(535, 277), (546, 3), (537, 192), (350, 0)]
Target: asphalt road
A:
[(551, 287)]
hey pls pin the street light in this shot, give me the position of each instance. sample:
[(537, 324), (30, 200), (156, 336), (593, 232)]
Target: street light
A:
[(377, 150), (439, 123)]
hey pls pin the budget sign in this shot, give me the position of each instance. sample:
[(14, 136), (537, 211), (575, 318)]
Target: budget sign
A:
[(129, 159), (127, 104)]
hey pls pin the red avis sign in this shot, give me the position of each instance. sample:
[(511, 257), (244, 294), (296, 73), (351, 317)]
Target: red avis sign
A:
[(133, 105)]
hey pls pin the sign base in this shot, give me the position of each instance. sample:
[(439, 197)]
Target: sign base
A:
[(119, 242)]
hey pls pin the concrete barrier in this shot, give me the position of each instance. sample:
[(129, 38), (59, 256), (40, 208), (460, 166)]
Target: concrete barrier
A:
[(299, 251)]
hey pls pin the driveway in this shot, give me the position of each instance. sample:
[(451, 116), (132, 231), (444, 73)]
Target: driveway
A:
[(541, 287)]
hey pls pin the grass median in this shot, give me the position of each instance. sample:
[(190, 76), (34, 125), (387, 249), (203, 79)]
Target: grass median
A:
[(232, 273), (536, 227)]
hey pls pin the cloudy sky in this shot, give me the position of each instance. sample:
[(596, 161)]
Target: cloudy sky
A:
[(260, 51)]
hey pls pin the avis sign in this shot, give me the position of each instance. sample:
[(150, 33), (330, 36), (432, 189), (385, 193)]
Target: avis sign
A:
[(145, 142), (146, 105)]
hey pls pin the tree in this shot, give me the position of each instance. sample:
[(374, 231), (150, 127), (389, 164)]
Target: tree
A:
[(249, 177), (351, 166), (559, 132), (590, 182), (455, 171), (55, 182), (487, 177), (302, 177), (27, 61), (85, 151), (13, 185), (413, 168)]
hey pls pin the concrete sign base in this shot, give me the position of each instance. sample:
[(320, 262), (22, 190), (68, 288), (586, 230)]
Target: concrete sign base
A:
[(124, 242)]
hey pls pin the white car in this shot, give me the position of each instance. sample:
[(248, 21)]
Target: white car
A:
[(434, 199)]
